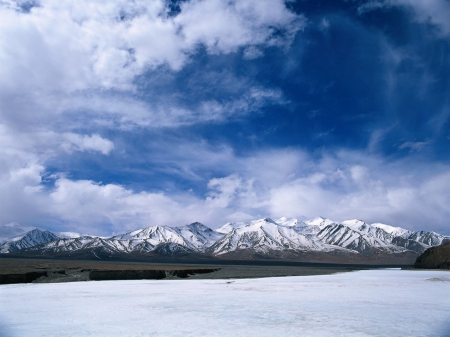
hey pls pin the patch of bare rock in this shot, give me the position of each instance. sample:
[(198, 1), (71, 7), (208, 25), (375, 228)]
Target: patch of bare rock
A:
[(435, 258)]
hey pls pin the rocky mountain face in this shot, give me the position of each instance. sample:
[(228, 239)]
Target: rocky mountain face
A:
[(26, 240), (280, 238), (435, 257), (11, 230)]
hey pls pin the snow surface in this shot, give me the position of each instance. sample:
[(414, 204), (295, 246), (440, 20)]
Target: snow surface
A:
[(396, 231), (319, 222), (229, 226), (363, 303)]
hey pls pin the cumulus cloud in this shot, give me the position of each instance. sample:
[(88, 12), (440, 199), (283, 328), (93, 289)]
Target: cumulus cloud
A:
[(275, 183), (84, 73), (23, 160), (111, 208), (45, 144), (75, 142), (223, 190), (106, 44)]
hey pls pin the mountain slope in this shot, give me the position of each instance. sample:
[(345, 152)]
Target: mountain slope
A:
[(263, 238), (266, 235), (30, 239), (12, 230), (195, 236), (359, 236), (435, 257)]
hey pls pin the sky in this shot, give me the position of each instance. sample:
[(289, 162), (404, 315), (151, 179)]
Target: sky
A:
[(121, 114)]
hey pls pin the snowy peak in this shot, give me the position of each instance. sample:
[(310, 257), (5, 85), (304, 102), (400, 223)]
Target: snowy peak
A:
[(354, 224), (288, 222), (198, 227), (30, 239), (229, 226), (319, 222), (261, 235), (12, 230), (427, 238), (194, 236), (264, 235), (358, 236), (198, 235), (394, 231)]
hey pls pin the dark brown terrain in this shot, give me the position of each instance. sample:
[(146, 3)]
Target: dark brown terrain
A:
[(40, 270), (435, 258)]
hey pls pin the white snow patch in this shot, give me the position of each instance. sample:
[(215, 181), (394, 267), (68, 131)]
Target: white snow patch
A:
[(395, 231), (363, 303)]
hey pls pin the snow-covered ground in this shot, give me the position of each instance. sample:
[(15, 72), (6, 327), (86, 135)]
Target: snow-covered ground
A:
[(362, 303)]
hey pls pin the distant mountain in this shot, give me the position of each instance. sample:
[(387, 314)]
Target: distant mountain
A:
[(195, 236), (13, 229), (358, 236), (265, 235), (29, 239), (287, 238)]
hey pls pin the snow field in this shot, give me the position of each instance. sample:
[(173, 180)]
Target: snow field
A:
[(363, 303)]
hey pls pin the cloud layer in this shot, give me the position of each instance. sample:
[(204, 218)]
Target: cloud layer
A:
[(120, 114), (275, 183)]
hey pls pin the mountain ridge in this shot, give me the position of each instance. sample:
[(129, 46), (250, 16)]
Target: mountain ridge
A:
[(261, 238)]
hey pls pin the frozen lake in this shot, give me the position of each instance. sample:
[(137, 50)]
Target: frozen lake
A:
[(361, 303)]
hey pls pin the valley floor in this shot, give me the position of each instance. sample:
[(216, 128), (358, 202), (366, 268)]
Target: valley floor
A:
[(383, 302), (78, 270)]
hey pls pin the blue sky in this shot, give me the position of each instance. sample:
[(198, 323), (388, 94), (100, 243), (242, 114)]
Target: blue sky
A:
[(115, 115)]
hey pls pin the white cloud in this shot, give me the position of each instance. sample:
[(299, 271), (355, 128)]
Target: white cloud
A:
[(72, 142), (224, 26), (273, 183), (43, 145), (111, 207), (223, 190), (81, 74), (106, 44), (23, 157)]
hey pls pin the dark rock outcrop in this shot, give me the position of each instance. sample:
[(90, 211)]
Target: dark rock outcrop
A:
[(435, 258), (103, 275), (21, 278)]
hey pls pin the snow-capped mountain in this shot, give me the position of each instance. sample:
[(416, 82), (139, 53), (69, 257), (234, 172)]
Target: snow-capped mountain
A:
[(27, 240), (13, 229), (358, 236), (195, 236), (265, 235), (262, 236)]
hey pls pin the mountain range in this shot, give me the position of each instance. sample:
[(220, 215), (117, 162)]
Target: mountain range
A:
[(284, 238)]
